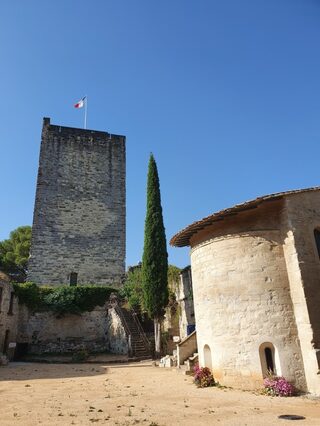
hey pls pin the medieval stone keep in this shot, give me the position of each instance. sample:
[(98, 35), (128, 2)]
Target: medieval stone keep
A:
[(256, 285), (78, 233)]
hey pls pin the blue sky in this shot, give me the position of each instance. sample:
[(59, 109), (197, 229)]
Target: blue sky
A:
[(226, 94)]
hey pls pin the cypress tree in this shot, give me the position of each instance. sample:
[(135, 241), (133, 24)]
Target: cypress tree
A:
[(155, 257)]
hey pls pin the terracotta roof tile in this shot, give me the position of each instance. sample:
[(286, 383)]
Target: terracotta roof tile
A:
[(182, 238)]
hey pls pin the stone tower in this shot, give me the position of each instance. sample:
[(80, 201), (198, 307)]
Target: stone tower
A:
[(78, 234)]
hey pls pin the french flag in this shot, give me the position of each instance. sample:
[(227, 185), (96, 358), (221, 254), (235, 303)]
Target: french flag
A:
[(80, 104)]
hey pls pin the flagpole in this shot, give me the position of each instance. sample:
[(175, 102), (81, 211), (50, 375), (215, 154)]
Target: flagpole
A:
[(85, 112)]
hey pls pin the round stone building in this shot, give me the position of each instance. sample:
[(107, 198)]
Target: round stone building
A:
[(256, 285)]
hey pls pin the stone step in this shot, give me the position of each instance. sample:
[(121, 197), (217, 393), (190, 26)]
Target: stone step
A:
[(138, 344)]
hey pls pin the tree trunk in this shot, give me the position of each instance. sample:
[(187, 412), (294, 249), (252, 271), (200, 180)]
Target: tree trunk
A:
[(157, 337)]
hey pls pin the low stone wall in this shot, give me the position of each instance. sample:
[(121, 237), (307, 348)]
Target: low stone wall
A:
[(97, 331), (187, 348)]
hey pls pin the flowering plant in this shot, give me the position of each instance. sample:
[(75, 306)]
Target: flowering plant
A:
[(278, 386), (203, 377)]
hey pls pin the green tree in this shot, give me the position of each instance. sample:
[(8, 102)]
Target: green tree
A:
[(154, 273), (132, 289), (14, 253)]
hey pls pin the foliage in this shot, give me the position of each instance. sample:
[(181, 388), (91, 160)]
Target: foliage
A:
[(278, 386), (132, 289), (155, 258), (14, 253), (62, 299), (203, 377), (32, 296), (80, 355), (174, 275)]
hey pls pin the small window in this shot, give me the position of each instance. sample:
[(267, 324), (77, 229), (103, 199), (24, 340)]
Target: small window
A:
[(268, 359), (317, 239), (73, 278), (10, 311)]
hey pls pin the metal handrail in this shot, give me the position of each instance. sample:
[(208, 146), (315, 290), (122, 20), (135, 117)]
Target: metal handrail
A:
[(141, 331)]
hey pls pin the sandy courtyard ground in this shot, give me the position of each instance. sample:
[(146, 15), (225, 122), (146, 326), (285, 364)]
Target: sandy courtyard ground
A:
[(83, 394)]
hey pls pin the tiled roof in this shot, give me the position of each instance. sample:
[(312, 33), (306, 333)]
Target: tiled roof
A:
[(182, 238)]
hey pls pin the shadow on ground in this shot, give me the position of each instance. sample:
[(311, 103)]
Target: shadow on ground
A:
[(33, 371)]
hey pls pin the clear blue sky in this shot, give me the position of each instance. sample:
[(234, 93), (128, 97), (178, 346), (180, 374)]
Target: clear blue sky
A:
[(226, 94)]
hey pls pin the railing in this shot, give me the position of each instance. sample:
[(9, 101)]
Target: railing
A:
[(141, 331)]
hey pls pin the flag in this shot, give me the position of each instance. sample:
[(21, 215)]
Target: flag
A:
[(80, 104)]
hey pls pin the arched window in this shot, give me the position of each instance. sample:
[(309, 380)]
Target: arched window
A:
[(317, 239), (207, 356), (268, 359)]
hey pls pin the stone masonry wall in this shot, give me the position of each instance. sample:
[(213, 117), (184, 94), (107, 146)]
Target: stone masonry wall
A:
[(117, 338), (79, 214), (45, 332), (301, 218), (96, 331), (242, 300), (8, 318), (185, 300)]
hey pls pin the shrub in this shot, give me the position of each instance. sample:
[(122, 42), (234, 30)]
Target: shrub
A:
[(278, 386), (80, 355), (203, 377), (62, 299), (31, 295)]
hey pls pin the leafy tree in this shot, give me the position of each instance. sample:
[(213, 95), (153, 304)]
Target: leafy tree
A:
[(154, 271), (14, 253), (132, 289)]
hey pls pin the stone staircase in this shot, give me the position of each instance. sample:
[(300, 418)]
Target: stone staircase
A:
[(139, 345), (189, 363), (187, 355)]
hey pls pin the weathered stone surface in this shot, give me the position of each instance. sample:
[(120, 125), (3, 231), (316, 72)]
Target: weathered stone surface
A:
[(256, 285), (186, 348), (185, 300), (8, 317), (117, 338), (97, 331), (79, 214)]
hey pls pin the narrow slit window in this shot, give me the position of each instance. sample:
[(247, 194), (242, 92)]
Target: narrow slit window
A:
[(73, 278), (317, 239), (269, 359), (10, 311)]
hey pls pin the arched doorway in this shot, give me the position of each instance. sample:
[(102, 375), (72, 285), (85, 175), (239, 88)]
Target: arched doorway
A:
[(207, 356)]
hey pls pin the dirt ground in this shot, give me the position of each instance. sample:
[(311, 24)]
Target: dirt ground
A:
[(133, 394)]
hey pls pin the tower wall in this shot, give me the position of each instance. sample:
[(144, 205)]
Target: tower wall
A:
[(243, 301), (79, 214)]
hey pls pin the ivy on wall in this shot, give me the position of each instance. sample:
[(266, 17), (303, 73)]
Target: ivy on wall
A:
[(62, 299)]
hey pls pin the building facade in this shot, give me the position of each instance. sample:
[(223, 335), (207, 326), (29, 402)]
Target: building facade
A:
[(256, 286), (78, 233)]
